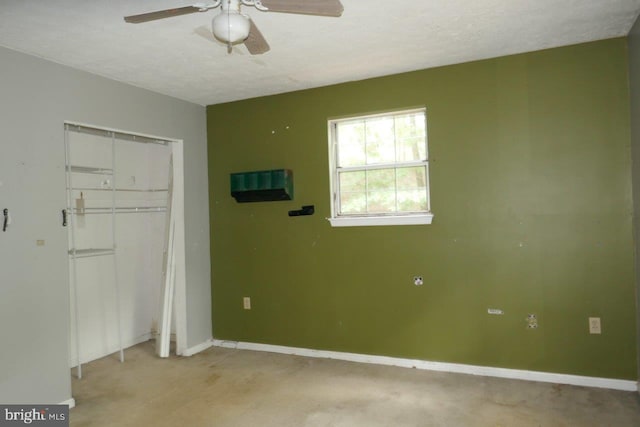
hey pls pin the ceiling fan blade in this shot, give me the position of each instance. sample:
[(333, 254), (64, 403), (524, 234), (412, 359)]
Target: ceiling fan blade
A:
[(309, 7), (255, 43), (160, 14)]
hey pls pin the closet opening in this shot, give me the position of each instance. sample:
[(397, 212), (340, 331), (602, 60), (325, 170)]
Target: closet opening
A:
[(125, 221)]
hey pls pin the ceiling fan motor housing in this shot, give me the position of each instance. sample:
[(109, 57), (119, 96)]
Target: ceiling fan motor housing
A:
[(230, 25)]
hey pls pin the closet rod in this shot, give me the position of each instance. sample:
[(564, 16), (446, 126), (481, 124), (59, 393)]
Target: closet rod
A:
[(114, 134), (91, 211), (151, 190)]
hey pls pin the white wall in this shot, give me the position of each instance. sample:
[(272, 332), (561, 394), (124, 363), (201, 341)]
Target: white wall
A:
[(36, 97)]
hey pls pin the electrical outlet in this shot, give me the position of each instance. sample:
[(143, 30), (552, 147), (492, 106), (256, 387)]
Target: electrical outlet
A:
[(594, 325), (417, 280), (246, 303), (532, 321)]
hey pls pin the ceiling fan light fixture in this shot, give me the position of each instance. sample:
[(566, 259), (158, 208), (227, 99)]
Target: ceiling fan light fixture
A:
[(231, 27)]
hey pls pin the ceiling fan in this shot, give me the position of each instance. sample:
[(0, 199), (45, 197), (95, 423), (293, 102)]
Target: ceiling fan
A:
[(233, 27)]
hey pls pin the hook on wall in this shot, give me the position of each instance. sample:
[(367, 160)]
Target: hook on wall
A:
[(5, 220), (306, 210)]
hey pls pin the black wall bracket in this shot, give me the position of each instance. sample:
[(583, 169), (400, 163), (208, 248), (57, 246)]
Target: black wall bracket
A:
[(306, 210)]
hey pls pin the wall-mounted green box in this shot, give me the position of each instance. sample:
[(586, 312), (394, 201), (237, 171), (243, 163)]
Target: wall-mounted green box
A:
[(262, 186)]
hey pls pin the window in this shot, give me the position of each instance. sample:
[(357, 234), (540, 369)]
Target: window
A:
[(379, 169)]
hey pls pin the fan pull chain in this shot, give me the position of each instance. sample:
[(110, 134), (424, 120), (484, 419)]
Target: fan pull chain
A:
[(229, 48)]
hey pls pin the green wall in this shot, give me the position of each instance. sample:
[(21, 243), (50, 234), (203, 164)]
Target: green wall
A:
[(531, 191), (634, 89)]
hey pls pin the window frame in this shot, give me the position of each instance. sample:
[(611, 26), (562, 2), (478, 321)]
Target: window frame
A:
[(375, 219)]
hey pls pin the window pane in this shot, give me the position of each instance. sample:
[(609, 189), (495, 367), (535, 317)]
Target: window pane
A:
[(381, 191), (353, 197), (353, 203), (412, 189), (351, 144), (412, 201), (353, 181), (413, 178), (410, 138), (380, 140)]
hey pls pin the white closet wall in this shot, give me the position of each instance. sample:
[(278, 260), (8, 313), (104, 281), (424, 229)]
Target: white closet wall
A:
[(140, 173)]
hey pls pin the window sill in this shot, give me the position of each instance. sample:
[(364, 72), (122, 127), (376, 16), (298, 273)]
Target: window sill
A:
[(364, 221)]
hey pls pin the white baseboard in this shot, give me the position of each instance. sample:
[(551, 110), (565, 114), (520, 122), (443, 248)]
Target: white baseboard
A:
[(548, 377), (86, 358), (198, 348), (234, 344), (69, 402)]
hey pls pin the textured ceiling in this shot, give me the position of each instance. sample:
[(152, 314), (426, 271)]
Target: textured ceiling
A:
[(177, 56)]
